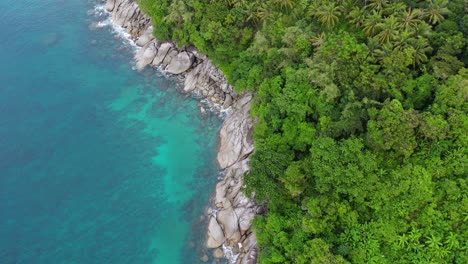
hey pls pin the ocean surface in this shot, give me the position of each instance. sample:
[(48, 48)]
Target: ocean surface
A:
[(98, 163)]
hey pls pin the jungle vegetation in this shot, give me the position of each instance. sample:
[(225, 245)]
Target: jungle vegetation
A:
[(361, 121)]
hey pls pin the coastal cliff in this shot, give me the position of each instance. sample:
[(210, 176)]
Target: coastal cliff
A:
[(229, 225)]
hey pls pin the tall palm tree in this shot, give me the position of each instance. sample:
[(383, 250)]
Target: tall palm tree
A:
[(388, 29), (235, 2), (264, 11), (284, 4), (452, 241), (178, 13), (378, 50), (421, 47), (422, 29), (410, 18), (404, 40), (394, 8), (250, 10), (327, 13), (357, 16), (371, 23), (433, 241), (377, 5), (318, 40), (436, 11)]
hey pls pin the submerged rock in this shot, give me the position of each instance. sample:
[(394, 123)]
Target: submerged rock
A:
[(204, 258), (218, 253), (50, 39)]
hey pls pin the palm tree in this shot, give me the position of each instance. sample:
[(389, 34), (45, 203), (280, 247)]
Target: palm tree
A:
[(357, 16), (433, 241), (436, 11), (328, 13), (377, 5), (379, 51), (318, 40), (394, 8), (422, 29), (178, 13), (388, 29), (452, 241), (235, 2), (404, 40), (371, 23), (264, 11), (285, 4), (410, 18), (250, 10), (421, 47)]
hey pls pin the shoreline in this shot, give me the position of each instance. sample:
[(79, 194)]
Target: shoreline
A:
[(229, 212)]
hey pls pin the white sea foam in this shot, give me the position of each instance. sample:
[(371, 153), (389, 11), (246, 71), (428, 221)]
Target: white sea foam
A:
[(99, 12), (229, 254)]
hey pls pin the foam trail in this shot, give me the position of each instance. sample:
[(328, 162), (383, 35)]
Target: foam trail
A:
[(229, 254), (99, 12)]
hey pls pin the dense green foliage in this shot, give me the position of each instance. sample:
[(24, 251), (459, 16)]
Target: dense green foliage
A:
[(361, 121)]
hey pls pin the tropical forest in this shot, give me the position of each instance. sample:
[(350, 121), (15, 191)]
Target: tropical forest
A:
[(361, 125)]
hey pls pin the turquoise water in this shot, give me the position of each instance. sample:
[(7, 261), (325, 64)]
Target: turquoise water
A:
[(98, 163)]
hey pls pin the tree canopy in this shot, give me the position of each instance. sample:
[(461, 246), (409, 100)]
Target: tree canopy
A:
[(361, 121)]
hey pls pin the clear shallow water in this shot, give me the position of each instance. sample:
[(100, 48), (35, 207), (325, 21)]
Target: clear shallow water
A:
[(98, 163)]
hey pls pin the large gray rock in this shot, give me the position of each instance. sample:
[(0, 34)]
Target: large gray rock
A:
[(230, 186), (250, 249), (128, 15), (146, 55), (146, 37), (110, 5), (181, 63), (162, 52), (122, 11), (215, 234), (205, 78), (227, 218), (249, 242), (170, 55), (221, 189), (245, 218), (236, 141), (227, 100)]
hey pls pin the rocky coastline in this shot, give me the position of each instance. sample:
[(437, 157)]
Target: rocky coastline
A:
[(230, 215)]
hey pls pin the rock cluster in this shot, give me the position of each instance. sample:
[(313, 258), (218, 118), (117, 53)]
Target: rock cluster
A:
[(201, 76), (230, 224), (230, 219)]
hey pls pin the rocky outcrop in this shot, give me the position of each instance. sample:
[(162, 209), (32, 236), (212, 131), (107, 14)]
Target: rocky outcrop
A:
[(230, 218), (201, 76), (236, 143)]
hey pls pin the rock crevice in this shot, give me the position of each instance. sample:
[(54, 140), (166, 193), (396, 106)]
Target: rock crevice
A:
[(230, 218)]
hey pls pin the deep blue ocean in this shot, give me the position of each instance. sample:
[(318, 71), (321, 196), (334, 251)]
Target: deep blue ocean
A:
[(98, 163)]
